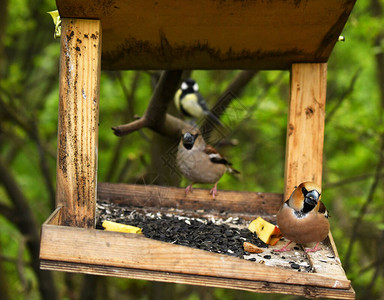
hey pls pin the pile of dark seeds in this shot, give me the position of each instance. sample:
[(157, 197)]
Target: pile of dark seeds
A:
[(212, 235)]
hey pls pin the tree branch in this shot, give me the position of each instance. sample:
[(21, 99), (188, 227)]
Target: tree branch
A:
[(377, 12), (44, 167), (343, 96), (4, 287), (155, 117), (3, 22), (378, 266), (8, 212), (233, 90), (349, 180), (128, 128), (129, 95), (20, 265), (128, 111), (28, 226), (363, 209)]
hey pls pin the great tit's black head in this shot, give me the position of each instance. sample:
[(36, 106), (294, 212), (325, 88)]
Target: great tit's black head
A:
[(189, 140), (189, 86)]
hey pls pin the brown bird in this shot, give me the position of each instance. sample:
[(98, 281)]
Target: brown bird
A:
[(199, 162), (303, 218)]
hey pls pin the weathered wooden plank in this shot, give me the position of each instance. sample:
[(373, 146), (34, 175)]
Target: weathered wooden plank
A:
[(202, 34), (78, 121), (248, 285), (251, 203), (305, 128), (96, 247)]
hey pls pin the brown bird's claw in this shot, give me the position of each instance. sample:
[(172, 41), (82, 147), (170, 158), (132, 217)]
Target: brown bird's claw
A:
[(213, 191), (314, 249), (188, 189), (284, 249)]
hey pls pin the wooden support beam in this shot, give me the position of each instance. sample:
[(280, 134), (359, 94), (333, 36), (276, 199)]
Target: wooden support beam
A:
[(305, 127), (80, 62)]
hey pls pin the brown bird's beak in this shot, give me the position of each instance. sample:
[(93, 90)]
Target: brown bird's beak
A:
[(188, 141)]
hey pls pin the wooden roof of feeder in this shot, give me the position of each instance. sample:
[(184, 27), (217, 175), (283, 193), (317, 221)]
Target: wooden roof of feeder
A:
[(207, 34), (164, 34)]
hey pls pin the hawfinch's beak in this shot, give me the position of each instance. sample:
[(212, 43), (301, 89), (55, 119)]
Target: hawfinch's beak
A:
[(312, 198)]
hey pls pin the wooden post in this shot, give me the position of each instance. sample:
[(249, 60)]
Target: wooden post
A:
[(78, 121), (305, 127)]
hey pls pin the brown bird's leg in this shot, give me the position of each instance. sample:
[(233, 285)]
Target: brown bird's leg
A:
[(313, 249), (189, 189), (213, 191), (284, 249)]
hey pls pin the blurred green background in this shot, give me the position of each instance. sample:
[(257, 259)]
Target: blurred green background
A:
[(353, 188)]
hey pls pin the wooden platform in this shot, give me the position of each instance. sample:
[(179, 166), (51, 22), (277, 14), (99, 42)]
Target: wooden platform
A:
[(134, 256), (209, 34)]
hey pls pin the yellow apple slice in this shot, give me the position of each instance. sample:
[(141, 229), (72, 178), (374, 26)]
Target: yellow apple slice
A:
[(267, 232), (113, 226)]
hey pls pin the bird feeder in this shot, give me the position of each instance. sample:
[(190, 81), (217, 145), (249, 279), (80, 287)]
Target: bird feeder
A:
[(262, 35)]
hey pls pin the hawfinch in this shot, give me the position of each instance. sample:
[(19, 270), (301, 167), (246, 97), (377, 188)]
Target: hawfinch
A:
[(303, 218), (199, 162), (191, 103)]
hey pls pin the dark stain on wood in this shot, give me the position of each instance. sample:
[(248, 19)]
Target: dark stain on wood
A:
[(309, 112), (137, 52), (291, 128), (84, 222), (69, 36), (62, 149)]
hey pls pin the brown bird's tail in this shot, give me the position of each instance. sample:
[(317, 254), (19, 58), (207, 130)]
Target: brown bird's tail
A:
[(232, 170)]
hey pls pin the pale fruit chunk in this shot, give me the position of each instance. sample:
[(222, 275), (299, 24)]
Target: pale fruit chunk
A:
[(251, 248), (113, 226), (267, 232)]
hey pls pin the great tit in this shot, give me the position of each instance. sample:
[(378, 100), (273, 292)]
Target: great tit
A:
[(191, 103)]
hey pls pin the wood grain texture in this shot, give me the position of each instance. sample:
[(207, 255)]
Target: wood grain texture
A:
[(78, 121), (247, 285), (305, 128), (96, 247), (250, 203), (213, 34)]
